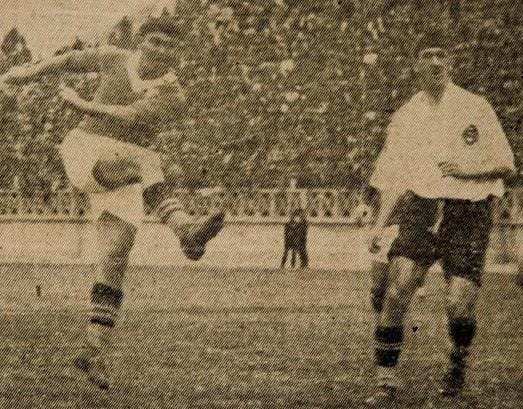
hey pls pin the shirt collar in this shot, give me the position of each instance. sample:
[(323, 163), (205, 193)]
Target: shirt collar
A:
[(448, 93)]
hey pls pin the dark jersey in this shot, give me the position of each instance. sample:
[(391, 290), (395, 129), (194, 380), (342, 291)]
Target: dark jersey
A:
[(154, 101)]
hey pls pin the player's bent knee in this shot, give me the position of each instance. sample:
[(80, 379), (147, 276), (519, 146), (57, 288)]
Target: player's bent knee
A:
[(113, 174), (459, 308), (460, 305), (461, 298), (397, 298)]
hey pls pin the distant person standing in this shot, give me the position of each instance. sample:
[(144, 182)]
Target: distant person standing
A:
[(519, 234), (295, 239)]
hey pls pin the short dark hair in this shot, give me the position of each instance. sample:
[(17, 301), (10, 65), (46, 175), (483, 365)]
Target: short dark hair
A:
[(165, 24), (435, 38)]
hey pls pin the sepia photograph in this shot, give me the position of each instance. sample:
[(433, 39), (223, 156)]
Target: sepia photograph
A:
[(261, 204)]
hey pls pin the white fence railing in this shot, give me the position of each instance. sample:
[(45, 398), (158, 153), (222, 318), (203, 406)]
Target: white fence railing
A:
[(251, 206)]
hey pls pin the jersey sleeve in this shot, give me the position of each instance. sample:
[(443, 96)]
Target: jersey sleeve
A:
[(389, 169), (499, 151), (162, 103), (93, 59)]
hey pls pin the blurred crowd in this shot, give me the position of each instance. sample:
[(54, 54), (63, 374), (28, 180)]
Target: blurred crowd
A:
[(279, 89)]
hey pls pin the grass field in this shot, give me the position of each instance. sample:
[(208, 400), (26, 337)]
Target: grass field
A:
[(193, 338)]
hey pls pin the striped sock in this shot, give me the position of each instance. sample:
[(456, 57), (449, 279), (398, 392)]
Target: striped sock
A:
[(105, 303), (170, 210), (388, 342), (169, 207)]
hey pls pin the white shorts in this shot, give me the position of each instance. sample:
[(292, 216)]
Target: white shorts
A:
[(389, 235), (81, 150)]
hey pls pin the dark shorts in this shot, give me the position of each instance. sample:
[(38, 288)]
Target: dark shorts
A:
[(398, 210), (460, 243)]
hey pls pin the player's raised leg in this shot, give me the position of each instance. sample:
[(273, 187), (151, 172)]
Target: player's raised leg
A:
[(115, 240), (193, 232)]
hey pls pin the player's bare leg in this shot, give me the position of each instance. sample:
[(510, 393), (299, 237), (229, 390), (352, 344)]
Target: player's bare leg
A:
[(404, 277), (462, 295), (193, 232), (380, 280), (115, 241)]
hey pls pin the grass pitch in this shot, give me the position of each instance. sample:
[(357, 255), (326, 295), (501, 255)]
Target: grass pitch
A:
[(194, 338)]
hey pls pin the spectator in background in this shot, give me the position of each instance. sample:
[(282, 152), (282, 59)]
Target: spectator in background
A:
[(296, 239)]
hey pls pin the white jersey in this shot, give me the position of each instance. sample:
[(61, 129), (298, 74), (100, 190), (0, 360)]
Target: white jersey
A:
[(462, 128)]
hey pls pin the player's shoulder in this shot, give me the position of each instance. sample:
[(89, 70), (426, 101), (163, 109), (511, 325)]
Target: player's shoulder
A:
[(407, 108), (464, 93), (465, 98)]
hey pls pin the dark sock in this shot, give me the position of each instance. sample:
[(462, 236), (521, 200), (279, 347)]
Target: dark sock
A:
[(388, 345), (462, 332)]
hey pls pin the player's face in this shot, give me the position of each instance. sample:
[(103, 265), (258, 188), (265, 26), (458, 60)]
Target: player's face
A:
[(433, 67), (158, 50)]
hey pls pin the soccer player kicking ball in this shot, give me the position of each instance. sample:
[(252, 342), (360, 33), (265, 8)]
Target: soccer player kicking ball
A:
[(446, 147), (105, 158)]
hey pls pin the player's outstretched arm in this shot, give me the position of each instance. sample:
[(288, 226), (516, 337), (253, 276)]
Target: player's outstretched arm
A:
[(88, 60), (484, 170)]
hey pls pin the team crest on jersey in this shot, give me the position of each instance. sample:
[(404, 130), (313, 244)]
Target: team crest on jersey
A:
[(470, 135)]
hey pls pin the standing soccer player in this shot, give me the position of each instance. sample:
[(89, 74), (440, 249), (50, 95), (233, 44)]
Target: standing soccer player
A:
[(105, 158), (444, 146)]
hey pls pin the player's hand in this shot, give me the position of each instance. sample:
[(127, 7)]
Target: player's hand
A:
[(374, 241), (452, 169)]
